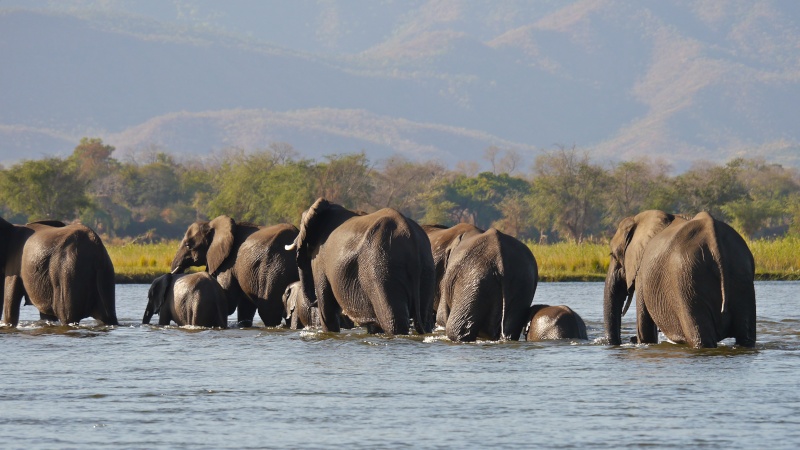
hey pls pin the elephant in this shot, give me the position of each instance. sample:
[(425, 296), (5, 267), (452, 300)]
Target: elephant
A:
[(554, 322), (376, 268), (443, 241), (63, 270), (299, 312), (187, 299), (693, 279), (488, 288), (247, 260)]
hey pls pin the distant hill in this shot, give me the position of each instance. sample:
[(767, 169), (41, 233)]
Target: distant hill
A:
[(426, 79)]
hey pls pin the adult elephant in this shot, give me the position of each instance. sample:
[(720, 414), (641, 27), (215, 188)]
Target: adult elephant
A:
[(488, 288), (299, 312), (247, 260), (187, 299), (64, 270), (555, 322), (693, 280), (443, 241), (377, 268)]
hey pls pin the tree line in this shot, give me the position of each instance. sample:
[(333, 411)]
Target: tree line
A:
[(565, 196)]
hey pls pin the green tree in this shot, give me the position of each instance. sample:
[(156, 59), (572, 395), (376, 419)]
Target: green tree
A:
[(345, 179), (635, 186), (476, 200), (93, 158), (402, 184), (764, 203), (48, 188), (569, 193), (706, 187)]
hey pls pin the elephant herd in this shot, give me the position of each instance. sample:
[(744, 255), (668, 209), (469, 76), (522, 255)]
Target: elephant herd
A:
[(386, 273)]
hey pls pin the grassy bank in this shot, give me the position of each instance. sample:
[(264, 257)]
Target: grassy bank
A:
[(775, 260), (141, 263), (778, 259), (571, 262)]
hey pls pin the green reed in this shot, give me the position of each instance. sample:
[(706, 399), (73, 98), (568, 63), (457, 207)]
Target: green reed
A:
[(565, 261), (777, 259), (141, 263)]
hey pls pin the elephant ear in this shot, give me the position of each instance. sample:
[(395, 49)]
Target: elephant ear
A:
[(310, 220), (222, 243), (639, 230), (158, 292), (449, 250)]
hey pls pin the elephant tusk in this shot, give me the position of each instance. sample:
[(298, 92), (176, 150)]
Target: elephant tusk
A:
[(627, 304), (175, 270), (291, 247)]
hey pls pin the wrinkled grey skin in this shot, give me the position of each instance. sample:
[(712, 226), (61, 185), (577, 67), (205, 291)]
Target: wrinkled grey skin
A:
[(64, 270), (299, 312), (376, 268), (248, 261), (187, 299), (488, 288), (693, 280), (555, 322), (443, 241)]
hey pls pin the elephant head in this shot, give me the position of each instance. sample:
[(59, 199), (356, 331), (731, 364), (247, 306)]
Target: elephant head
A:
[(205, 243), (290, 301), (627, 248), (156, 297), (315, 226)]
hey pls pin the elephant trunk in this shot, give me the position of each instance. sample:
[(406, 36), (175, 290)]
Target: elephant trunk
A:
[(179, 263), (613, 302), (148, 314), (306, 276)]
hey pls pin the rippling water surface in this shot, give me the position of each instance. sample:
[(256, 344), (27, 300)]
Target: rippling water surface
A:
[(150, 387)]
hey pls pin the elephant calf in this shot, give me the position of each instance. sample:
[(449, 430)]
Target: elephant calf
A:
[(187, 299), (299, 312), (555, 322)]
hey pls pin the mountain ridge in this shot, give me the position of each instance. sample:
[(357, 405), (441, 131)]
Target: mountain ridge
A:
[(622, 79)]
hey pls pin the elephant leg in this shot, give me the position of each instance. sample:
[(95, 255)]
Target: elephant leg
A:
[(105, 306), (515, 316), (271, 310), (327, 307), (48, 317), (646, 330), (14, 291), (425, 306), (442, 313), (245, 313), (744, 318)]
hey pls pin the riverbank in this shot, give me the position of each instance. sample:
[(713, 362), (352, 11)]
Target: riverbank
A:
[(775, 260)]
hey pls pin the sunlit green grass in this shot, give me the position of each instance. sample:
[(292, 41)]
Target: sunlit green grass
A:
[(775, 260), (141, 263), (569, 261)]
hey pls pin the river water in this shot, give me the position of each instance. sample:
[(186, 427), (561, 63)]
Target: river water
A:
[(136, 386)]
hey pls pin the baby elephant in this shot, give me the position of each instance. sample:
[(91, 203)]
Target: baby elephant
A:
[(555, 322), (187, 299), (299, 312)]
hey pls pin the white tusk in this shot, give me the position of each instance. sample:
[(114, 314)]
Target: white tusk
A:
[(176, 270), (291, 247)]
